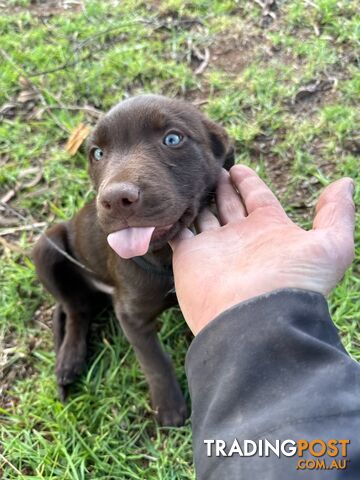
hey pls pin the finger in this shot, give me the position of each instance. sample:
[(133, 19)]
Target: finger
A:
[(206, 220), (335, 209), (184, 234), (254, 192), (229, 203)]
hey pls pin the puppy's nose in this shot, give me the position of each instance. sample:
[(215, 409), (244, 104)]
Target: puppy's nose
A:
[(119, 197)]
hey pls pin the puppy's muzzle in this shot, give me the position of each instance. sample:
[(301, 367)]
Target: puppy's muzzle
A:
[(120, 199)]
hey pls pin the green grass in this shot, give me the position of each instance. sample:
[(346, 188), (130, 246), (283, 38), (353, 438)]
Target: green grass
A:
[(94, 58)]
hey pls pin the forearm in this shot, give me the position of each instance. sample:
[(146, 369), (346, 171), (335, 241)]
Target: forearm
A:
[(272, 368)]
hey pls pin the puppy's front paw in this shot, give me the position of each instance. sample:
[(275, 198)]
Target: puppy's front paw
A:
[(70, 363), (171, 410), (173, 416)]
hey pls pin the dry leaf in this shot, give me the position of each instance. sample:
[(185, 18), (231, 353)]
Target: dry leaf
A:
[(25, 83), (28, 91), (27, 95), (8, 110), (76, 139)]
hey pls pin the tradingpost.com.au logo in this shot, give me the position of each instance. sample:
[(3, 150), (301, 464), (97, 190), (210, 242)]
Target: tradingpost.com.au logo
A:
[(336, 451)]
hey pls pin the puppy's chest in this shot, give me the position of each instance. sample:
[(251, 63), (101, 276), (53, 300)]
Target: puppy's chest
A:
[(139, 285), (167, 289)]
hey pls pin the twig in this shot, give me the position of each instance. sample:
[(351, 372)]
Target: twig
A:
[(5, 206), (203, 64), (8, 196), (34, 181), (155, 24), (21, 228), (20, 186), (68, 63), (92, 110), (198, 103), (65, 65)]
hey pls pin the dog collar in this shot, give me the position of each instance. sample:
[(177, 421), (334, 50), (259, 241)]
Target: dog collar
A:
[(149, 267)]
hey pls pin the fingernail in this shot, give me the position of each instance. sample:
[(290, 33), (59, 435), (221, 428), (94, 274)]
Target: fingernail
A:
[(352, 187)]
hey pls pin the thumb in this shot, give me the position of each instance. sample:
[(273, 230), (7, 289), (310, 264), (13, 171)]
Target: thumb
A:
[(182, 235), (335, 215), (335, 209)]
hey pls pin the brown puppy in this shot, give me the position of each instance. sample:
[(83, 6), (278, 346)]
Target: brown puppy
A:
[(154, 162)]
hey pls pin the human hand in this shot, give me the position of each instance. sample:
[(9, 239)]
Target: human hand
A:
[(255, 248)]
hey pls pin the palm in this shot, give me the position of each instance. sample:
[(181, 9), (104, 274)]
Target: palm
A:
[(256, 248)]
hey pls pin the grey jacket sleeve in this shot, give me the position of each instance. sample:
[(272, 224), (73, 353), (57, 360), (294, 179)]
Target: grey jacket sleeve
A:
[(273, 369)]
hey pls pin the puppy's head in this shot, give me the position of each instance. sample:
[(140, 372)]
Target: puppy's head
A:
[(154, 162)]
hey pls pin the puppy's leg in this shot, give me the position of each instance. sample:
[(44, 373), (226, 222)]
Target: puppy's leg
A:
[(78, 301), (166, 396)]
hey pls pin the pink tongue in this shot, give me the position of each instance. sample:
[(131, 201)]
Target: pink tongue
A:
[(131, 242)]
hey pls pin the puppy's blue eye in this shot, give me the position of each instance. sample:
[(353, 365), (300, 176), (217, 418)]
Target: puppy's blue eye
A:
[(172, 139), (98, 154)]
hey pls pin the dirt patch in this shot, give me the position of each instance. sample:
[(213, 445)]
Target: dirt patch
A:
[(231, 53)]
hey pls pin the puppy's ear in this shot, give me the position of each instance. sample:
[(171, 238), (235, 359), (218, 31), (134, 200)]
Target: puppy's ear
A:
[(221, 146)]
